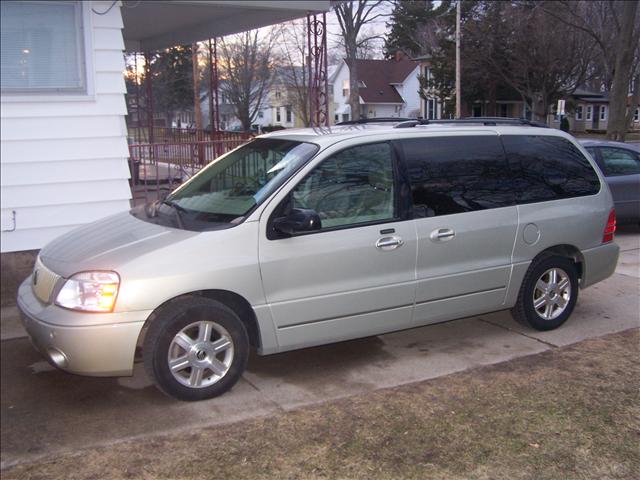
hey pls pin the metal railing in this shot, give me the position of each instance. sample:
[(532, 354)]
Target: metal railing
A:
[(160, 167)]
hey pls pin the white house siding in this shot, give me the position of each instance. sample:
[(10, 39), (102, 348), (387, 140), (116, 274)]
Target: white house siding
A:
[(378, 110), (65, 159), (340, 101), (409, 93)]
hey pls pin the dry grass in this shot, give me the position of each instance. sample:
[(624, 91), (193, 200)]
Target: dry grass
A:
[(571, 413)]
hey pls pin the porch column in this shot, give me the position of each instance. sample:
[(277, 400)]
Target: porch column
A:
[(149, 88), (317, 67)]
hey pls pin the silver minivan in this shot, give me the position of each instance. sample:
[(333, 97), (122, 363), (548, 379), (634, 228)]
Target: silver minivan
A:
[(312, 236)]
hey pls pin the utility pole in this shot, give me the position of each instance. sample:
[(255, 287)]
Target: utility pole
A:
[(458, 89)]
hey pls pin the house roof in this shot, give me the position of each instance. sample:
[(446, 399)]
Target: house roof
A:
[(583, 92), (379, 76)]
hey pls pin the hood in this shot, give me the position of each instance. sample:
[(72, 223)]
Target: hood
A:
[(107, 244)]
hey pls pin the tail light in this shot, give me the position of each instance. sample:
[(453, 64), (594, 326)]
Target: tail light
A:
[(610, 229)]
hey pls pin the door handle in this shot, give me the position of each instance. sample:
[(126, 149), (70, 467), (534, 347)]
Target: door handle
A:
[(389, 243), (442, 234)]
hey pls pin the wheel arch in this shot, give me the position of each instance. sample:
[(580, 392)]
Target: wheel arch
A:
[(234, 301), (564, 250)]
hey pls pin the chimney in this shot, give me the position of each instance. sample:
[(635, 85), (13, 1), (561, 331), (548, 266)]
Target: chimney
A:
[(399, 56)]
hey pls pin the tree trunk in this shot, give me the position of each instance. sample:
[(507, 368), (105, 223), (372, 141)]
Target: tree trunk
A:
[(354, 95), (197, 109), (617, 125), (635, 99), (492, 110)]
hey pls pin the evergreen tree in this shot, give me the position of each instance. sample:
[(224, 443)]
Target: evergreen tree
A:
[(172, 74), (414, 25)]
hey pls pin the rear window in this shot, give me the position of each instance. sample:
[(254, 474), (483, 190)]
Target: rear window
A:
[(548, 168)]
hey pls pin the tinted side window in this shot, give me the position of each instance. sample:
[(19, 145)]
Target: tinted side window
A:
[(617, 161), (353, 186), (548, 168), (457, 174)]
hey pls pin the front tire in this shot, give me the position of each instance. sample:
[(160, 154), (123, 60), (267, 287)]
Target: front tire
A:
[(548, 293), (196, 348)]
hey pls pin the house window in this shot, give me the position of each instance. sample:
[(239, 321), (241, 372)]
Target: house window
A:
[(278, 94), (579, 112), (260, 114), (603, 112), (503, 110), (289, 114), (42, 47), (277, 114), (589, 112), (636, 115), (345, 117), (345, 87), (430, 109)]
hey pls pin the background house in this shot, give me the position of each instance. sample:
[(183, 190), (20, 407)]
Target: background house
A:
[(431, 104), (586, 110), (387, 88)]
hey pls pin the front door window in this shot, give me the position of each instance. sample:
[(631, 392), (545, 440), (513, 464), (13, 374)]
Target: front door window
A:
[(351, 187)]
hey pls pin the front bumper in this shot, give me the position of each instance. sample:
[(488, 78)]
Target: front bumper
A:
[(86, 344)]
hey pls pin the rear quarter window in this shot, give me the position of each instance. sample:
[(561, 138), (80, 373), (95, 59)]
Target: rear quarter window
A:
[(618, 162), (548, 168), (451, 175)]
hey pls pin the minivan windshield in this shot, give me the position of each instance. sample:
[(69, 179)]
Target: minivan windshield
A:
[(230, 187)]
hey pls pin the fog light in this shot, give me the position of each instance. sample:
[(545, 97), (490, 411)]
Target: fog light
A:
[(58, 358)]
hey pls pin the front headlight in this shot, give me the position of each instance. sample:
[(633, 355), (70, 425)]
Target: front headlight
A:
[(90, 292)]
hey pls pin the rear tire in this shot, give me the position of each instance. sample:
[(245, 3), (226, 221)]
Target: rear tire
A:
[(196, 348), (548, 293)]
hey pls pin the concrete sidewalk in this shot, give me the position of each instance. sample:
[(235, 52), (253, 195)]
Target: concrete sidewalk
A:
[(45, 411)]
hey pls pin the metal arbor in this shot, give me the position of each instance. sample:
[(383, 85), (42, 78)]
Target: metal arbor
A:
[(317, 64)]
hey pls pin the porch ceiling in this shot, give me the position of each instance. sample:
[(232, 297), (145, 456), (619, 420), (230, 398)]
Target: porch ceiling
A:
[(152, 25)]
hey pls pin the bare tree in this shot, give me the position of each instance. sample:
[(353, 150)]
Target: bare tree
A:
[(517, 44), (246, 65), (352, 17), (614, 26), (292, 66)]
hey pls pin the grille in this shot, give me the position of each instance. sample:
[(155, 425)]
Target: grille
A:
[(43, 281)]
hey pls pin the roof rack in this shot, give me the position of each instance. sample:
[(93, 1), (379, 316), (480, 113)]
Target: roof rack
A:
[(363, 121), (487, 121)]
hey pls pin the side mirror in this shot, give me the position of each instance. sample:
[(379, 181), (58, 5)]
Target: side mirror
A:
[(299, 220)]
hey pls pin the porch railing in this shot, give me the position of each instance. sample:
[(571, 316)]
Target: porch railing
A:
[(158, 168)]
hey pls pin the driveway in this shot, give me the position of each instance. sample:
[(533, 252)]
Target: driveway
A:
[(46, 412)]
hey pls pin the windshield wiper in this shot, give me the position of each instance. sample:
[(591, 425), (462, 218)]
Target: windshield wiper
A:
[(178, 209)]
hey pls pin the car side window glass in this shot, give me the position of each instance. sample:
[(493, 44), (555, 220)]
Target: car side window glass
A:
[(617, 161), (548, 168), (353, 186), (457, 174), (592, 151)]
